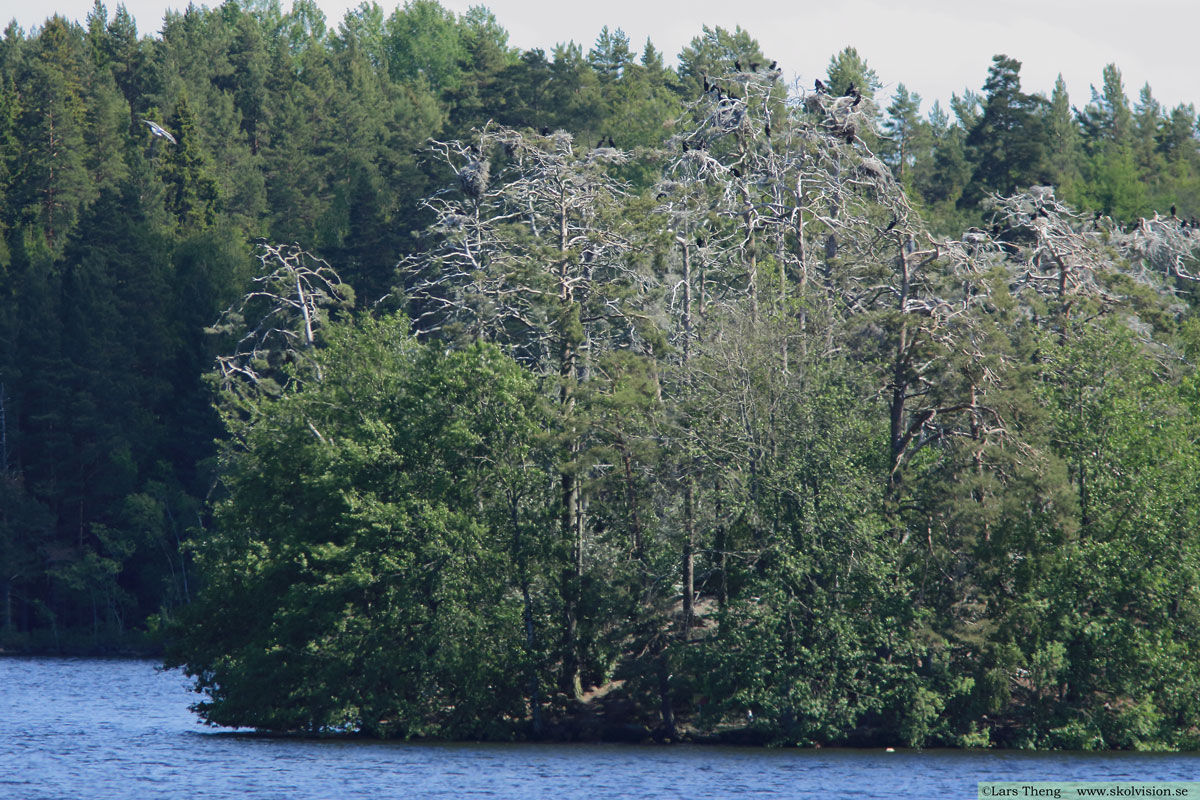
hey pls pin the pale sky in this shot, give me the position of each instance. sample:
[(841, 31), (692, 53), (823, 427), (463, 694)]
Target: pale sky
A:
[(934, 47)]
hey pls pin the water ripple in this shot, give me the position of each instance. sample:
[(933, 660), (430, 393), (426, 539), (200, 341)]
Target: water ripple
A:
[(98, 730)]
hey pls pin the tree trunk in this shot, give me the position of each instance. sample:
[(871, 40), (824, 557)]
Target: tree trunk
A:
[(689, 545)]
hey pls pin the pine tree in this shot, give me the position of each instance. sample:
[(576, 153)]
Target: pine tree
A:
[(906, 136), (57, 184), (1065, 151), (192, 195), (1007, 145)]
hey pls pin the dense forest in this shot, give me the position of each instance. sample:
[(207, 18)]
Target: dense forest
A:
[(404, 383)]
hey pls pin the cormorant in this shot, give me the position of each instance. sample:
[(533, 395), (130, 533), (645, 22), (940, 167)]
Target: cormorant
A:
[(1172, 205), (891, 224), (737, 65), (774, 65), (545, 130), (685, 145), (737, 173), (611, 143), (707, 85), (158, 130), (754, 66), (820, 87), (600, 143), (767, 129)]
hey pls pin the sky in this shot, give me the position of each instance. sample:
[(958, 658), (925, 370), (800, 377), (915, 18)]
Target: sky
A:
[(933, 47)]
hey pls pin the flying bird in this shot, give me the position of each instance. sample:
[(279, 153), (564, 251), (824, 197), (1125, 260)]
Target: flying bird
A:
[(159, 130)]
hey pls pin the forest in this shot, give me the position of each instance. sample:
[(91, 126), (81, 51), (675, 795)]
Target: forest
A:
[(398, 382)]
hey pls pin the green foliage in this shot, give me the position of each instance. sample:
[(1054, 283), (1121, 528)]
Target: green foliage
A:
[(367, 547), (808, 424), (1007, 143)]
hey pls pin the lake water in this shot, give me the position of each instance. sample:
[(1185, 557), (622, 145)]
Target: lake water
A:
[(82, 729)]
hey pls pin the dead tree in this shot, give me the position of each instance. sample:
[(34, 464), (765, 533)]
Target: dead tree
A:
[(767, 176), (535, 260), (276, 323), (1164, 246)]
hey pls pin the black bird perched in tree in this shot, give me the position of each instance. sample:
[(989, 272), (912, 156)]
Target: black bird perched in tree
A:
[(891, 224), (737, 65), (158, 130), (754, 66), (600, 143), (707, 85), (545, 131), (737, 173), (685, 146), (611, 143), (1172, 206), (774, 65), (767, 128), (820, 87), (852, 91)]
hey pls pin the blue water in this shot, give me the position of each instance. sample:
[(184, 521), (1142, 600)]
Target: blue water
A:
[(82, 729)]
